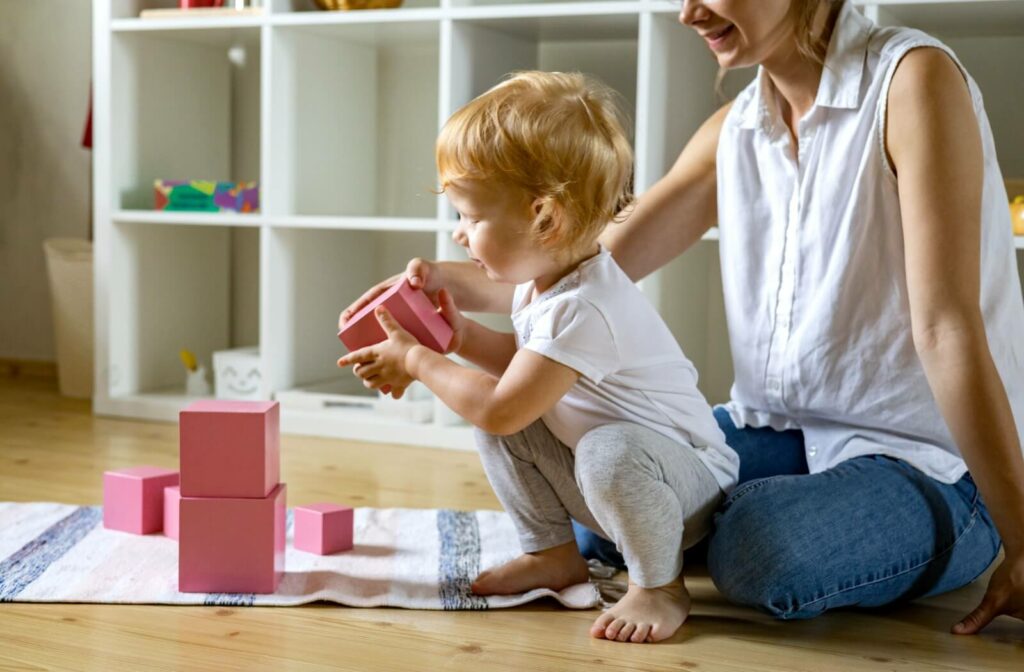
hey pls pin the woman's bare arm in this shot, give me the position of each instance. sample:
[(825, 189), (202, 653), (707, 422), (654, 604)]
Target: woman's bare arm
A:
[(674, 213), (934, 143)]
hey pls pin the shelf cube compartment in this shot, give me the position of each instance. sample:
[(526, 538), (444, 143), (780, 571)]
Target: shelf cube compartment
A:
[(324, 528), (356, 119), (172, 288), (212, 132), (315, 274), (230, 448), (232, 545), (133, 498)]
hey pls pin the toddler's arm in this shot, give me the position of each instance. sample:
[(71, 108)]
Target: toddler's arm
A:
[(529, 387)]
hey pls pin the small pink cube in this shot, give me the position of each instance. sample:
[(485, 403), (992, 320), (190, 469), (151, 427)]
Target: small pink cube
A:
[(232, 545), (411, 308), (172, 502), (323, 528), (230, 448), (133, 499)]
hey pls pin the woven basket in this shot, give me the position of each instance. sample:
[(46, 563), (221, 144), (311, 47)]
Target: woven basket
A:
[(357, 4)]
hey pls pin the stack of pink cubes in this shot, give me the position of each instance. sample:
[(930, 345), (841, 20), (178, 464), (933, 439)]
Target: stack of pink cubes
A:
[(231, 526)]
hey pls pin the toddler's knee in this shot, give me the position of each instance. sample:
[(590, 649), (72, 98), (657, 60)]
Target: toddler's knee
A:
[(602, 455)]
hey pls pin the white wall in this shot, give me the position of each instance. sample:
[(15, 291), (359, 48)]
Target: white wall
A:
[(45, 66)]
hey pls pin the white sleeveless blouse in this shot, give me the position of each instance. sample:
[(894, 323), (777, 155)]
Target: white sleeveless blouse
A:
[(813, 266)]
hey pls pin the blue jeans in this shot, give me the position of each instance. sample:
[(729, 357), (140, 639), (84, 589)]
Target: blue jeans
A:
[(869, 532)]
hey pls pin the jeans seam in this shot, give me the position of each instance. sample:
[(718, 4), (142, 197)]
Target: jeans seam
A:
[(970, 526), (749, 487)]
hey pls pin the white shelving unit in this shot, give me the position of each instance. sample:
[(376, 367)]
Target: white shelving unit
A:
[(335, 113)]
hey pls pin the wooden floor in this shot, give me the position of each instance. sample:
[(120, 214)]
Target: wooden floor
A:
[(52, 449)]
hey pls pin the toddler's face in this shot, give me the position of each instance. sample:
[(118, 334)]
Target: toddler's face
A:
[(494, 227), (740, 33)]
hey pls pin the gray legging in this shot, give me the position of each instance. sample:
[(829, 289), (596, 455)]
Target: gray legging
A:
[(649, 494)]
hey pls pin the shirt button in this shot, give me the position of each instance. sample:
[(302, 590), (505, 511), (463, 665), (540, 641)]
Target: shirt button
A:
[(812, 451), (774, 385)]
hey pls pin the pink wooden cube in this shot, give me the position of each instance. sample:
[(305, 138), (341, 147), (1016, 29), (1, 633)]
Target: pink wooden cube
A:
[(172, 502), (230, 448), (411, 308), (323, 528), (133, 499), (232, 545)]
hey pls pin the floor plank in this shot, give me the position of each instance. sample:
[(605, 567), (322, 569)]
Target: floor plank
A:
[(53, 449)]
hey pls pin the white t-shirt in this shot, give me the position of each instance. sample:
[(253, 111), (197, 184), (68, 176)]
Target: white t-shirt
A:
[(597, 322)]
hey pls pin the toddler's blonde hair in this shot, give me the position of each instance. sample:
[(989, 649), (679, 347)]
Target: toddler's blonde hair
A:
[(558, 137)]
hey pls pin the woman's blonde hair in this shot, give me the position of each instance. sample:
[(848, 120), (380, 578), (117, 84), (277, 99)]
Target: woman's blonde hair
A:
[(556, 136), (802, 14)]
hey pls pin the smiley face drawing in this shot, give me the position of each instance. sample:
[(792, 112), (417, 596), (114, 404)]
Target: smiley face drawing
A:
[(243, 384)]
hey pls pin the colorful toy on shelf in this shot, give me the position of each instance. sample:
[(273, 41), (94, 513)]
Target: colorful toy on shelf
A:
[(206, 196), (133, 499), (411, 308), (231, 528), (1017, 215), (323, 528)]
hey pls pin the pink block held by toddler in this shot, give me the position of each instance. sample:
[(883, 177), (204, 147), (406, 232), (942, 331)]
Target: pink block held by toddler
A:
[(232, 545), (323, 528), (172, 501), (133, 499), (230, 448), (411, 308)]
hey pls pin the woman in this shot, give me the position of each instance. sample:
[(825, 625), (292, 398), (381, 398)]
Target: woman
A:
[(873, 302)]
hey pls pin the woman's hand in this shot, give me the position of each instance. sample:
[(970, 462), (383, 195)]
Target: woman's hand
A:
[(382, 366), (1005, 595), (422, 274)]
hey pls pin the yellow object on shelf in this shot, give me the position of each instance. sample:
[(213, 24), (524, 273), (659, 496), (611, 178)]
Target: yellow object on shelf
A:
[(1017, 215), (188, 359)]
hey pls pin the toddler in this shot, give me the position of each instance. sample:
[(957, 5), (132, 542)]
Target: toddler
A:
[(589, 411)]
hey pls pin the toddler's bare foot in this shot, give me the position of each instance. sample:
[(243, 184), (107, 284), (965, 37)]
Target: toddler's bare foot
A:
[(555, 568), (645, 614)]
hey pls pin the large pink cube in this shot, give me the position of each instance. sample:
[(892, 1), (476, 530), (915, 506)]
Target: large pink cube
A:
[(232, 545), (411, 308), (133, 499), (230, 448), (172, 503), (323, 528)]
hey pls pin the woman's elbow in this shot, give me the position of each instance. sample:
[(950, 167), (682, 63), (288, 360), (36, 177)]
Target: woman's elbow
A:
[(959, 331)]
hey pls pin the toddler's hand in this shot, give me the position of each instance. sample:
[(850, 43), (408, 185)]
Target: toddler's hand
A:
[(382, 366), (422, 274)]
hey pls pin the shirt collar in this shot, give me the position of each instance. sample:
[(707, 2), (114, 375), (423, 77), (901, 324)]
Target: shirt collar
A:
[(840, 85)]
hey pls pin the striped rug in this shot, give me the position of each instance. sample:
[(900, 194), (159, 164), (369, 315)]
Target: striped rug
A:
[(409, 558)]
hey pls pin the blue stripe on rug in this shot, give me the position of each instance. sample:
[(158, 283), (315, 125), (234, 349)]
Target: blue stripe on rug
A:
[(28, 563), (459, 564)]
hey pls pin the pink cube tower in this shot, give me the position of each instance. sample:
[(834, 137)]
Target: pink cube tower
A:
[(411, 308), (323, 528), (172, 502), (232, 545), (133, 499), (231, 532), (230, 448)]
